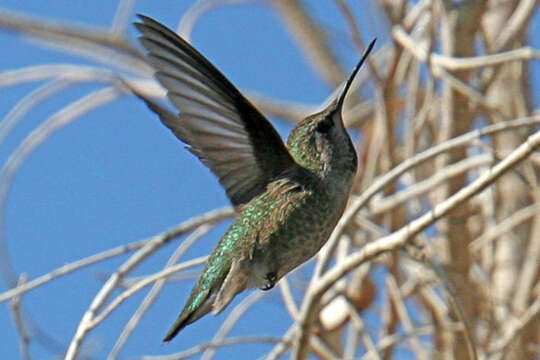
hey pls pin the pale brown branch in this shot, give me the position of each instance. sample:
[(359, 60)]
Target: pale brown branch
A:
[(401, 237), (381, 182), (34, 98), (356, 320), (421, 54), (83, 40), (383, 205), (20, 323), (99, 318), (283, 346), (44, 28), (464, 63), (514, 327), (69, 268), (404, 317), (214, 345), (506, 225), (122, 18), (65, 72), (519, 19), (395, 339), (357, 37), (280, 108), (231, 320), (154, 293), (288, 299), (201, 8), (528, 273), (312, 39), (108, 288), (30, 143)]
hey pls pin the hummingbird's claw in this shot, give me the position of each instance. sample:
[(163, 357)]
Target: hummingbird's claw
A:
[(271, 279)]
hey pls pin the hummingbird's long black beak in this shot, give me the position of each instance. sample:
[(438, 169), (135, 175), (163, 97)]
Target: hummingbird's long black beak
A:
[(341, 97)]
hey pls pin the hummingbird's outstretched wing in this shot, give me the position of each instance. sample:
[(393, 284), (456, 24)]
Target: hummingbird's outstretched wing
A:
[(221, 127)]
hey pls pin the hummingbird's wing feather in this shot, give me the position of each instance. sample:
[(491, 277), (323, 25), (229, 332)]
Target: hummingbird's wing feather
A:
[(235, 282), (220, 125)]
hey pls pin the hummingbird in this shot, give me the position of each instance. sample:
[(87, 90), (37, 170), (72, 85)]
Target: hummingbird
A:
[(288, 197)]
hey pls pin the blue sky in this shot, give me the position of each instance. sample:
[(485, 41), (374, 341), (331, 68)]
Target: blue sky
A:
[(117, 175)]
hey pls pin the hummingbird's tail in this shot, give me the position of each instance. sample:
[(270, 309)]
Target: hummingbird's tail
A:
[(211, 294), (193, 311)]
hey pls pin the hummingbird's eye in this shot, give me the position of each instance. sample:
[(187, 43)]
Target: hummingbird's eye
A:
[(324, 126)]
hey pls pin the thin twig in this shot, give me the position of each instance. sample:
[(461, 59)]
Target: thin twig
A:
[(19, 322), (231, 320), (139, 286), (108, 288), (154, 293), (213, 345), (34, 140), (381, 182)]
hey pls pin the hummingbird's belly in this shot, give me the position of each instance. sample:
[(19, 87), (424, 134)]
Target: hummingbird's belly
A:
[(297, 240), (302, 247)]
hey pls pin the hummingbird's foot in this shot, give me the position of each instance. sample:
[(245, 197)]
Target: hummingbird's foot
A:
[(271, 279)]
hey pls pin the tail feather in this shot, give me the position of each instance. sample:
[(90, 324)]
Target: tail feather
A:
[(234, 283), (193, 311)]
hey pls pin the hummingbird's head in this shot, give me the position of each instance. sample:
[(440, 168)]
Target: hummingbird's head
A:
[(320, 142)]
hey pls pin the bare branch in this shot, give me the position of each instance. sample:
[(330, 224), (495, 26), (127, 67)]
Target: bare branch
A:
[(400, 237)]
